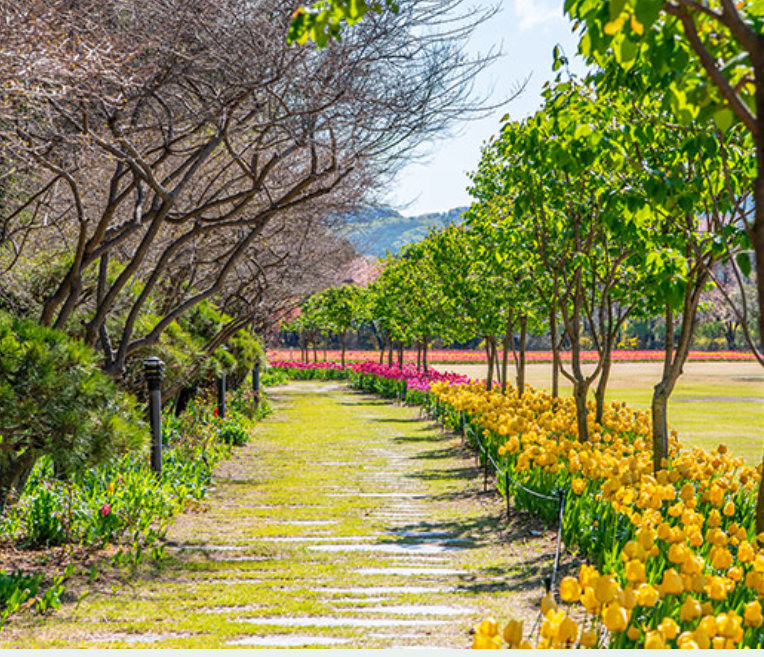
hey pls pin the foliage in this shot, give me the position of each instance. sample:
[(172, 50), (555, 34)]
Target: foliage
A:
[(309, 371), (19, 591), (55, 401), (324, 19)]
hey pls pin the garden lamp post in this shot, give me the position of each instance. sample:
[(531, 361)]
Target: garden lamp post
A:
[(153, 369)]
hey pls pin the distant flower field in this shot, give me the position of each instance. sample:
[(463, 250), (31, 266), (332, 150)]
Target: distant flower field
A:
[(458, 356)]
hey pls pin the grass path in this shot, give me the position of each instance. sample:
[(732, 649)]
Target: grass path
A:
[(345, 522)]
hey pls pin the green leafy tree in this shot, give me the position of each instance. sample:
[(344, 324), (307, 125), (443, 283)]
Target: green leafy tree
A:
[(709, 57)]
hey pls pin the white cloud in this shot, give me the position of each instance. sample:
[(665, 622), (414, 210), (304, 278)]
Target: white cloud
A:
[(533, 13)]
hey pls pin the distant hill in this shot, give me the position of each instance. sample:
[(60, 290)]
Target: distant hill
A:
[(376, 231)]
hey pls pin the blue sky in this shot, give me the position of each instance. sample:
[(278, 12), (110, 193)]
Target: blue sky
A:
[(526, 31)]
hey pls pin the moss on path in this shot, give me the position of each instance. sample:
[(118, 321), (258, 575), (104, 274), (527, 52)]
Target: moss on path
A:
[(345, 522)]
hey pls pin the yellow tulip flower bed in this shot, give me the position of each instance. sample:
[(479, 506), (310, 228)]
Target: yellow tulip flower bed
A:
[(676, 560)]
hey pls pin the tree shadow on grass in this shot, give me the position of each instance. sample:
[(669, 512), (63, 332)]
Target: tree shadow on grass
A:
[(447, 474)]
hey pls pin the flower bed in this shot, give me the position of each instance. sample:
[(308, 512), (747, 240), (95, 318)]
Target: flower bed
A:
[(406, 383), (467, 357), (310, 371), (675, 560)]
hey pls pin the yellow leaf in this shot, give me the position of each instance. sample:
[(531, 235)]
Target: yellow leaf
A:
[(614, 27)]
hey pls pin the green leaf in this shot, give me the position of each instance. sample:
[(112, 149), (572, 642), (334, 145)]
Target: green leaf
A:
[(744, 262), (616, 8), (648, 11), (724, 118)]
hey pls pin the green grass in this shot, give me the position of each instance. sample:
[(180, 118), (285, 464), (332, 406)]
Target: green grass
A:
[(195, 598)]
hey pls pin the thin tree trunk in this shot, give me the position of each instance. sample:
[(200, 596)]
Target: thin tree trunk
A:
[(580, 393), (401, 347), (521, 358), (555, 351), (508, 335), (343, 340), (489, 356), (424, 353), (418, 356), (599, 393)]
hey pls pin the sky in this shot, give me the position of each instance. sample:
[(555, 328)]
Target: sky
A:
[(526, 32)]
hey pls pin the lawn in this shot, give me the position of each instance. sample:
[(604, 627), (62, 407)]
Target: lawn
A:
[(713, 402)]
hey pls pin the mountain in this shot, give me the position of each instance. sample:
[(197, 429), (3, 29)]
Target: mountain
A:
[(375, 231)]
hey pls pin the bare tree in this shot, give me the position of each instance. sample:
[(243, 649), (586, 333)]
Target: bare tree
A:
[(157, 135)]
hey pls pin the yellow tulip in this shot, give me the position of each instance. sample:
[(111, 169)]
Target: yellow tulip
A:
[(752, 614), (672, 583), (513, 633), (635, 572), (690, 610), (570, 590), (615, 617), (606, 589), (668, 628), (588, 639), (654, 640)]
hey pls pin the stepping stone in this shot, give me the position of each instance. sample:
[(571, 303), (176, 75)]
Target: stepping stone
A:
[(406, 495), (330, 621), (387, 548), (211, 548), (406, 572), (359, 601), (414, 610), (315, 539), (392, 590), (289, 641), (137, 638), (419, 534)]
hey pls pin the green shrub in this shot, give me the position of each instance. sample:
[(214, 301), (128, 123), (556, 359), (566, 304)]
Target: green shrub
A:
[(55, 401), (232, 433)]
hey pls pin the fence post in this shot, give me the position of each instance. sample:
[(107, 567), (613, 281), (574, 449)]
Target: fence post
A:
[(153, 369), (506, 492), (256, 384), (485, 469), (221, 396)]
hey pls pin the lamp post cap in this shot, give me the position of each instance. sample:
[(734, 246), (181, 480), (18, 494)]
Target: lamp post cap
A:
[(153, 367)]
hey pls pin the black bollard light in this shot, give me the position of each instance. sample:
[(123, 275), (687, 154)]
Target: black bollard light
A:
[(256, 384), (153, 369), (221, 396)]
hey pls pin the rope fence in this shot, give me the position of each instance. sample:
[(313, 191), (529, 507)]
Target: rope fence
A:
[(489, 463)]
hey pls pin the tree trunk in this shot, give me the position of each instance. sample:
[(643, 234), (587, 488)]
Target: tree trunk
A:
[(418, 356), (521, 357), (555, 352), (489, 354), (424, 353), (14, 472), (343, 341), (660, 426), (580, 391), (599, 393), (401, 347), (390, 353)]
